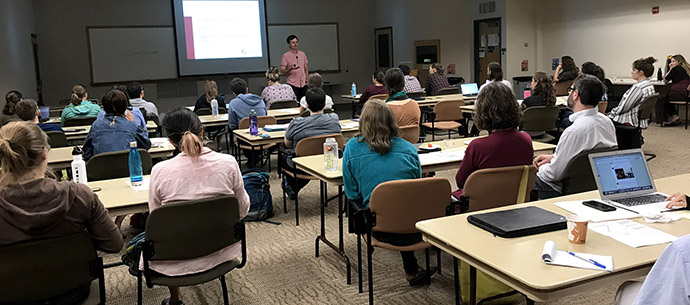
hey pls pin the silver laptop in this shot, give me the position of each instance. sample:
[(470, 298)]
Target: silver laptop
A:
[(624, 180), (469, 89)]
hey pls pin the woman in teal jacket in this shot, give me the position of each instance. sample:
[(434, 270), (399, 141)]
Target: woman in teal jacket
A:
[(79, 106)]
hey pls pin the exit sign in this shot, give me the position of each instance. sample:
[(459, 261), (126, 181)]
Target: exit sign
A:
[(655, 10)]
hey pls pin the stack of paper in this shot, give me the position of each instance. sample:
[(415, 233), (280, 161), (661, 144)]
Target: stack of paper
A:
[(552, 256), (577, 208), (276, 127), (632, 233), (442, 156)]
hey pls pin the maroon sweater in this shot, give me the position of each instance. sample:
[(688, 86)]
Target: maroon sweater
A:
[(372, 90), (500, 148)]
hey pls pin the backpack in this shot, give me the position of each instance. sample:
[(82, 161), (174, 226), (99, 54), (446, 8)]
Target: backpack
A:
[(259, 191)]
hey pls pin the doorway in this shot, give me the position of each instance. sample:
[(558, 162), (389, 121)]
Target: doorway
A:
[(383, 40), (487, 42)]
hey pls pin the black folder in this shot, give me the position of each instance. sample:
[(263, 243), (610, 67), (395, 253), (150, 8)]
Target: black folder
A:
[(518, 222)]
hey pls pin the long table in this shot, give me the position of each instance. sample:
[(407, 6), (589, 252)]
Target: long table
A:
[(349, 128), (119, 198), (61, 157), (517, 261), (80, 132), (427, 101), (222, 119)]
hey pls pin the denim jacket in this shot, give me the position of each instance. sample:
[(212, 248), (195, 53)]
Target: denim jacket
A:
[(104, 138)]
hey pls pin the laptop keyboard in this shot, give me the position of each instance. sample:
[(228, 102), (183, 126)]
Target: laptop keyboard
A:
[(646, 199)]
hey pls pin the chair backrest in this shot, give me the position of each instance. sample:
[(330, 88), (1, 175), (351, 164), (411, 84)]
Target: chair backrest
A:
[(115, 164), (143, 111), (282, 104), (416, 94), (203, 111), (602, 106), (578, 175), (399, 204), (57, 139), (482, 184), (647, 106), (448, 110), (191, 229), (448, 90), (378, 97), (84, 121), (562, 87), (64, 102), (539, 118), (410, 133), (261, 121), (41, 269), (314, 145)]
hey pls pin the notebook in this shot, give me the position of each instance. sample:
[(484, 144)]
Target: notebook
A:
[(623, 179), (518, 222), (469, 89)]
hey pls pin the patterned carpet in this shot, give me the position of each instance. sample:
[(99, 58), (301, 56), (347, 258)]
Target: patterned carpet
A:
[(282, 268)]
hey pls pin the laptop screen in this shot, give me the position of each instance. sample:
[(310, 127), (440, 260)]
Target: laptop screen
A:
[(622, 173), (469, 89), (45, 113)]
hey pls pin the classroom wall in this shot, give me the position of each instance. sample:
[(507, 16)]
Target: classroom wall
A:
[(522, 43), (17, 65)]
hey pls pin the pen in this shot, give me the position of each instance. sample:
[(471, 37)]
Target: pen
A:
[(591, 261), (620, 207)]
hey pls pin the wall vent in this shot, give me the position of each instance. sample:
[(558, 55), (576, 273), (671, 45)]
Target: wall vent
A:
[(487, 7)]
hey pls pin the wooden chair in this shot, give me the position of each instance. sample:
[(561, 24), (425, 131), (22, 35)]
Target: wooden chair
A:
[(410, 133), (358, 106), (57, 139), (686, 103), (378, 97), (261, 122), (515, 183), (84, 121), (448, 90), (307, 147), (538, 120), (578, 177), (395, 207), (282, 104), (115, 164), (208, 224), (562, 87), (38, 270), (602, 106), (444, 117)]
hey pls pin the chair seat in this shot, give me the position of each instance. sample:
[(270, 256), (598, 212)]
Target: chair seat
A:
[(443, 125), (414, 247), (194, 279), (249, 147), (299, 176)]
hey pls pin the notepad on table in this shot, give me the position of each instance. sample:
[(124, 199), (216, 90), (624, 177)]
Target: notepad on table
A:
[(276, 127), (349, 125), (552, 256)]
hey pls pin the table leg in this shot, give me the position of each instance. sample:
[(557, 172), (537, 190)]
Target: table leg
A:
[(354, 109), (322, 236), (458, 300), (473, 285)]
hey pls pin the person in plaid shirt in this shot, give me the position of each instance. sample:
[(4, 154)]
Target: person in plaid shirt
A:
[(411, 83), (436, 80)]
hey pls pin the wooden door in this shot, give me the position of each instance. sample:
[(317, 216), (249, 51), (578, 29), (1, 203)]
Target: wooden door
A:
[(487, 42)]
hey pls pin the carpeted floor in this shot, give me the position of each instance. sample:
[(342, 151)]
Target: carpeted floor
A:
[(282, 268)]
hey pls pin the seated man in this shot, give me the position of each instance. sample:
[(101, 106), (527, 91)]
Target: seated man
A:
[(411, 83), (316, 124), (136, 99), (590, 130), (27, 110), (138, 116), (243, 103)]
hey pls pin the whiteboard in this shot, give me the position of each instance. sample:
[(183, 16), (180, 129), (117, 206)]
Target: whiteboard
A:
[(123, 54), (319, 41)]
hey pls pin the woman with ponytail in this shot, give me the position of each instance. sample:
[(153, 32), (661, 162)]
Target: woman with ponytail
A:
[(196, 173), (35, 207), (79, 105), (626, 113)]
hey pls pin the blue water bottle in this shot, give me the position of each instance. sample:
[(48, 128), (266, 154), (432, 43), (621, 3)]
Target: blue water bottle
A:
[(253, 123), (135, 171), (354, 89)]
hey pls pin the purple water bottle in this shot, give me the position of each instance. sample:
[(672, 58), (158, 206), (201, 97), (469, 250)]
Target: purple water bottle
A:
[(253, 123)]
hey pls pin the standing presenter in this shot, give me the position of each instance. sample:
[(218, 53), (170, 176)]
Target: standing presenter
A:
[(293, 64)]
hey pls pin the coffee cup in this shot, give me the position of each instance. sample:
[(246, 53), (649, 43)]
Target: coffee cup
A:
[(577, 229)]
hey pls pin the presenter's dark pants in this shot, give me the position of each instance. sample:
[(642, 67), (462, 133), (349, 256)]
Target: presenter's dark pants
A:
[(299, 91)]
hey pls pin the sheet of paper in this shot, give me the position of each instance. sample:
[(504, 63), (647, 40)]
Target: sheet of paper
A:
[(350, 125), (562, 101), (143, 187), (552, 256), (682, 213), (632, 233), (451, 155), (275, 127), (577, 208), (288, 110), (160, 142)]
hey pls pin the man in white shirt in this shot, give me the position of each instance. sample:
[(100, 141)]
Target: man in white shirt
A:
[(590, 130), (136, 98)]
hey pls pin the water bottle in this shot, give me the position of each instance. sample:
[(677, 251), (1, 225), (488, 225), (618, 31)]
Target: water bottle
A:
[(330, 154), (253, 123), (78, 167), (658, 75), (214, 108), (135, 171), (354, 89)]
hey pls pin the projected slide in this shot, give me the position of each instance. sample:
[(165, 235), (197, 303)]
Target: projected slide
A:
[(222, 29)]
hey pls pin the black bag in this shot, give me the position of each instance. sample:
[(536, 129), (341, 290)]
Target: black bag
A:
[(259, 191)]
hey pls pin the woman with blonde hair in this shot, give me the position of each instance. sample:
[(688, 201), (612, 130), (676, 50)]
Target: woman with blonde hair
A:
[(679, 78), (196, 173), (210, 93), (79, 105), (275, 90), (375, 156)]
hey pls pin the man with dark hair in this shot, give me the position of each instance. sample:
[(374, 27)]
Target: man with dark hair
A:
[(136, 98), (243, 103), (293, 64), (411, 83), (27, 110), (590, 130)]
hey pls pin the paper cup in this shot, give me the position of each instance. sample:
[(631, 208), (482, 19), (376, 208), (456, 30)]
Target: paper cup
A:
[(577, 229)]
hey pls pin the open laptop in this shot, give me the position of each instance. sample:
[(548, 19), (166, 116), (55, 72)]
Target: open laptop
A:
[(624, 180), (45, 113), (469, 89)]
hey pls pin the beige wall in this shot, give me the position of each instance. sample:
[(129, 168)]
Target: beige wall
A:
[(17, 64), (522, 43)]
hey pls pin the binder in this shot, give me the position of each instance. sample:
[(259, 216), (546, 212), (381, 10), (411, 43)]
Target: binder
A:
[(518, 222)]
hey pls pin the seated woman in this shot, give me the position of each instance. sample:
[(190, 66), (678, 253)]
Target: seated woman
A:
[(136, 112), (375, 88), (56, 208), (626, 113), (543, 93), (677, 76), (116, 129), (436, 80), (314, 81), (196, 173), (498, 112), (376, 156), (11, 99), (210, 93), (495, 73), (318, 123), (591, 68), (275, 90), (566, 70), (405, 109), (79, 106)]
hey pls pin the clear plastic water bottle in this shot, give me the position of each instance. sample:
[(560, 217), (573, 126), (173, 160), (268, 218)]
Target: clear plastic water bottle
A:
[(253, 123), (354, 89), (78, 166), (214, 108), (330, 154), (135, 172)]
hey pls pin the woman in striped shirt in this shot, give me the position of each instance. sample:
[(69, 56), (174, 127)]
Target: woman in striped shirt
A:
[(627, 111)]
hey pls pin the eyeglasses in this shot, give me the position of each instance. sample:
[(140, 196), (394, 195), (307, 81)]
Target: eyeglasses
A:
[(571, 89)]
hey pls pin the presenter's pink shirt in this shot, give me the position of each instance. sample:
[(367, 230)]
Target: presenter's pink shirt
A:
[(297, 77)]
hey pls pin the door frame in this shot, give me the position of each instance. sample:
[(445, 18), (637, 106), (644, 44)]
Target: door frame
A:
[(379, 31), (477, 45)]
